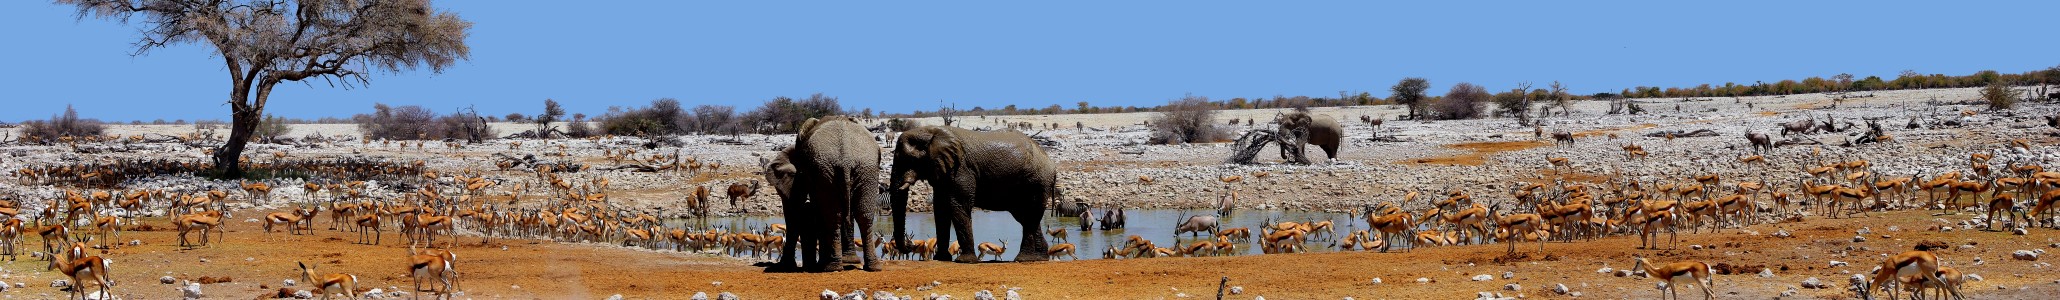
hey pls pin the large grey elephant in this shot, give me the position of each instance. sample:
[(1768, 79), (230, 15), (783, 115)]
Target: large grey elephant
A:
[(1321, 130), (1001, 171), (828, 186)]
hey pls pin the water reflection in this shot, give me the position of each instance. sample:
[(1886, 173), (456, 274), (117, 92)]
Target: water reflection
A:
[(1152, 224)]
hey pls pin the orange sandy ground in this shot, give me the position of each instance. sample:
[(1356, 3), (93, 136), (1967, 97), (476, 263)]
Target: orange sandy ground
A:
[(527, 269)]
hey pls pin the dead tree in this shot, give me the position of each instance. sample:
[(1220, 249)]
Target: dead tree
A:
[(1247, 147)]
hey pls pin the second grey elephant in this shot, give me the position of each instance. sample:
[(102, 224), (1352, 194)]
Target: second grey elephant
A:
[(828, 185), (1002, 171), (1321, 130)]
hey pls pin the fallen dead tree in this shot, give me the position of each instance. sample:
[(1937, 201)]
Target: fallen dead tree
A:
[(1248, 147), (1681, 134)]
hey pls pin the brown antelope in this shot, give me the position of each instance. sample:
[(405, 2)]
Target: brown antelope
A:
[(1678, 273), (1950, 279), (1061, 249), (369, 224), (81, 269), (1908, 264), (204, 222), (292, 220), (423, 265), (1516, 225), (1391, 226), (335, 283), (995, 249), (10, 235)]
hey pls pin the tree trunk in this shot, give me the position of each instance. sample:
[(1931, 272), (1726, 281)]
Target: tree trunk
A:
[(242, 124)]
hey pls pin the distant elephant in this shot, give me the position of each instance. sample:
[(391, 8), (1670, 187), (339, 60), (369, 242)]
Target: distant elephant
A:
[(1001, 171), (1321, 130), (827, 182)]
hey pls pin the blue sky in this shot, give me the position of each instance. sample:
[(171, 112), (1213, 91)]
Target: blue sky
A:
[(908, 55)]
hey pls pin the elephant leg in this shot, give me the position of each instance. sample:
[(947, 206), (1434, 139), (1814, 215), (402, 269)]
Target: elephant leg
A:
[(1033, 247), (845, 239), (810, 258), (962, 225), (863, 211), (833, 237), (794, 237), (939, 214)]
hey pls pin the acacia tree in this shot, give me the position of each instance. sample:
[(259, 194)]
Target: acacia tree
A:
[(266, 42), (1409, 93)]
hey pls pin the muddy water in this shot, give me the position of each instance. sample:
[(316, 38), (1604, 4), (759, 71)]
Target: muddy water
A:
[(1152, 224)]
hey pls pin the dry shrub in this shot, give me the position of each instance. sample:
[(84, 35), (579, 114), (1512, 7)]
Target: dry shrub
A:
[(1999, 96), (1464, 101), (1188, 120), (398, 123), (271, 128), (67, 124)]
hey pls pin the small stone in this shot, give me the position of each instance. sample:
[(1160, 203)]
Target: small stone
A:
[(1512, 287), (1836, 264), (1858, 239), (1483, 277), (1782, 234), (514, 287), (1258, 297), (1574, 294), (2025, 255), (1604, 270), (1812, 283), (1790, 292), (1766, 273), (1011, 295), (1560, 288), (1237, 290), (1865, 231), (1694, 247), (2019, 231), (1376, 280), (1508, 275), (191, 291), (704, 296), (289, 282), (1893, 228), (983, 295), (619, 296), (60, 283), (305, 294), (726, 296), (135, 242), (1973, 277), (166, 280), (1623, 273), (1423, 280)]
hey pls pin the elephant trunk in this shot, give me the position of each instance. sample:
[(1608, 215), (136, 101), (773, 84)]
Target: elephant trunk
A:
[(898, 199)]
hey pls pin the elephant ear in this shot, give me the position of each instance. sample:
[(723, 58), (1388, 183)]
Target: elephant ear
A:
[(945, 150), (807, 129)]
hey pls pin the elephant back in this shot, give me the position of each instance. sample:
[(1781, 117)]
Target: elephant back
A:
[(836, 141)]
